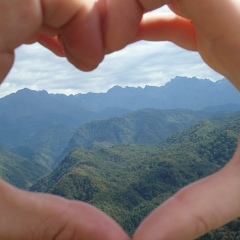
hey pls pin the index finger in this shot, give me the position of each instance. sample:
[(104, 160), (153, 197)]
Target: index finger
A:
[(217, 29), (122, 18)]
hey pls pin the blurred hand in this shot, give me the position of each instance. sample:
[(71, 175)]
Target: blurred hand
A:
[(209, 27), (84, 31), (31, 216), (68, 28)]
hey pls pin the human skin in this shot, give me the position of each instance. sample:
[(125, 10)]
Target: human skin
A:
[(88, 30), (84, 31), (37, 216)]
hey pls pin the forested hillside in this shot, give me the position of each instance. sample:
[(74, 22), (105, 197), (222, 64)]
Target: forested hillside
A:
[(114, 150), (19, 171), (46, 122), (128, 181), (43, 121), (146, 126)]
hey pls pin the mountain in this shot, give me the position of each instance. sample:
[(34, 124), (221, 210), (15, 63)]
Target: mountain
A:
[(47, 121), (129, 181), (34, 155), (227, 107), (18, 170), (146, 126), (28, 116), (43, 121), (108, 169), (180, 92), (121, 180)]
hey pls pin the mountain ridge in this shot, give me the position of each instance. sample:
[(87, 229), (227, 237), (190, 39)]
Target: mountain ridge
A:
[(129, 181), (145, 126), (31, 117), (180, 92), (122, 178)]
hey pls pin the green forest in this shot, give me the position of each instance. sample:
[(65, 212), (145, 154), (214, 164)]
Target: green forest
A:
[(125, 151), (127, 181), (125, 165)]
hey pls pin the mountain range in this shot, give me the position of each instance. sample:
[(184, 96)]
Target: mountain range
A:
[(128, 181), (125, 151), (45, 127), (35, 118), (180, 92), (145, 126)]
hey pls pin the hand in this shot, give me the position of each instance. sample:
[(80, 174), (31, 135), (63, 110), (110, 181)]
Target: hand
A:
[(209, 27), (68, 28), (31, 216), (84, 31)]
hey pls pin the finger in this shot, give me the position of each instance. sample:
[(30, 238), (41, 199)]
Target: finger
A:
[(197, 209), (80, 27), (121, 20), (16, 13), (82, 40), (6, 63), (40, 216), (168, 27), (211, 23), (51, 43), (218, 33)]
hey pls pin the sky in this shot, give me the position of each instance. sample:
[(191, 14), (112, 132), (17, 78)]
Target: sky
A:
[(140, 64)]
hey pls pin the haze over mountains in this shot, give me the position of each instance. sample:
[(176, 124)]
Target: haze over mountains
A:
[(145, 126), (181, 92), (129, 181), (124, 151), (48, 121)]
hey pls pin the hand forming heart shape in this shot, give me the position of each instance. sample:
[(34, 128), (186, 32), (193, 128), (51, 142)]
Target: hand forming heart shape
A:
[(84, 31)]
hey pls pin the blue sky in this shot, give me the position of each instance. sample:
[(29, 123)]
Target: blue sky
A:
[(139, 64)]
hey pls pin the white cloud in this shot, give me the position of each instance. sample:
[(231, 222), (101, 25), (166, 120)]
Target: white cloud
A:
[(139, 64)]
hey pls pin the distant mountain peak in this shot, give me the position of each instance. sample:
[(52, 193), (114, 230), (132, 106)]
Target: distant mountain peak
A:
[(119, 89), (187, 80), (114, 88), (180, 92)]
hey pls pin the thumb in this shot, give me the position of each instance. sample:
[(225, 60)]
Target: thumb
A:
[(26, 215), (198, 208), (6, 63)]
